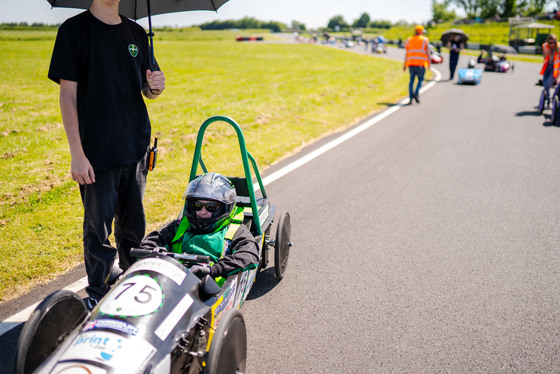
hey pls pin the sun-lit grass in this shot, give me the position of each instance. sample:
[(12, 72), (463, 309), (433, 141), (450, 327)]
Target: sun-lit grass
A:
[(284, 96)]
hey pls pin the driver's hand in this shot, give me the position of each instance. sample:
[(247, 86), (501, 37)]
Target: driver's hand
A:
[(200, 271)]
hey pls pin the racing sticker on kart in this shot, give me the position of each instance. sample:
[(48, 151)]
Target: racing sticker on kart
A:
[(77, 368), (174, 317), (136, 296), (122, 354), (111, 324), (160, 266)]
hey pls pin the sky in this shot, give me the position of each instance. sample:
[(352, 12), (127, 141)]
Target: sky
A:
[(312, 13)]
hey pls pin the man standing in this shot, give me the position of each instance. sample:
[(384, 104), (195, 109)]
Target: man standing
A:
[(417, 59), (102, 62), (455, 47)]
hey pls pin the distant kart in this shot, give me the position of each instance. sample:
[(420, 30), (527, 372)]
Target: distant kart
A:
[(494, 63), (436, 58), (380, 48), (545, 102), (160, 318), (469, 76)]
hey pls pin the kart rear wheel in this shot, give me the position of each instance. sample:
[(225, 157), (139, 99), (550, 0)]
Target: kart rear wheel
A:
[(228, 352), (282, 244), (542, 102), (555, 117), (49, 324)]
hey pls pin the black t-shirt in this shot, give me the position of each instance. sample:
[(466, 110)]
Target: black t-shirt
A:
[(109, 62)]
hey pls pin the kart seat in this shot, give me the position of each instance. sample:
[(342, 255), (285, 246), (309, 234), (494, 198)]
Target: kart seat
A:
[(244, 200)]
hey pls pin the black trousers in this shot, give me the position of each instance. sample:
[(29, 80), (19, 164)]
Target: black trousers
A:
[(116, 194), (453, 60)]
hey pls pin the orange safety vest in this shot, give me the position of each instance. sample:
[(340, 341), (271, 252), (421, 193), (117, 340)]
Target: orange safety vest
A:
[(417, 51), (556, 63)]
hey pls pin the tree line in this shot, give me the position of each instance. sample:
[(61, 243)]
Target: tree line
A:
[(489, 9), (442, 11)]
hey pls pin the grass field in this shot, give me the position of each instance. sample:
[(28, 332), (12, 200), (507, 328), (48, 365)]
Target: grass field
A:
[(284, 96)]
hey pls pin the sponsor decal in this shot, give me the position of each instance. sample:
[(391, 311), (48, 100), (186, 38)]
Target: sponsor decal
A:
[(243, 282), (136, 296), (112, 324), (174, 317), (133, 50), (226, 302), (77, 368), (160, 266), (122, 354), (104, 346)]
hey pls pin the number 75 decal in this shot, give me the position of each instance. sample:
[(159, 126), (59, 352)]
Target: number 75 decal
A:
[(137, 296)]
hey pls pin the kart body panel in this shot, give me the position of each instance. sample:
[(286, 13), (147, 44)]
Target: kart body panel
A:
[(469, 76), (436, 58)]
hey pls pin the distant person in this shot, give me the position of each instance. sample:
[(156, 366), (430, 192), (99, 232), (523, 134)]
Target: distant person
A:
[(551, 63), (417, 59), (455, 47), (102, 62)]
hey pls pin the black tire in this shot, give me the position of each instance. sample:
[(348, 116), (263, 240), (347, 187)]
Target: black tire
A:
[(542, 102), (282, 245), (49, 324), (555, 118), (228, 352)]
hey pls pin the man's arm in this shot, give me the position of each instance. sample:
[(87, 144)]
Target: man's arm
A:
[(81, 169)]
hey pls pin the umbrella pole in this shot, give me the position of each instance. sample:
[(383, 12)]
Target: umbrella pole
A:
[(154, 66)]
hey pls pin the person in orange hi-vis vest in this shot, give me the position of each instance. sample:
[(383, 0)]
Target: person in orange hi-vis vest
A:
[(417, 59), (551, 64)]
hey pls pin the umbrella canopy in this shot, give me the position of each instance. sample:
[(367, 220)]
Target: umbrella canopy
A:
[(137, 9), (451, 34)]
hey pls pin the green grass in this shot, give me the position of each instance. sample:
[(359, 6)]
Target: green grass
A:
[(284, 96)]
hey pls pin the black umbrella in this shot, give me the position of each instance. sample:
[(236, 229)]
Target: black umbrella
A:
[(451, 34), (136, 9)]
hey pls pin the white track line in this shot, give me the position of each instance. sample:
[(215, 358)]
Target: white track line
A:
[(22, 316)]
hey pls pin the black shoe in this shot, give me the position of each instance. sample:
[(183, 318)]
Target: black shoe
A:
[(90, 303), (417, 99), (409, 102)]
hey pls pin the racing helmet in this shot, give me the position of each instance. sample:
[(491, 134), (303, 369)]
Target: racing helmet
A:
[(472, 63), (212, 187)]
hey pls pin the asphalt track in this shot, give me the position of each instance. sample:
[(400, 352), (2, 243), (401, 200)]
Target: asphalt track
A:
[(428, 242)]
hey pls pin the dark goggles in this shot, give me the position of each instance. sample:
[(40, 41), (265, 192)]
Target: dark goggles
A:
[(210, 206)]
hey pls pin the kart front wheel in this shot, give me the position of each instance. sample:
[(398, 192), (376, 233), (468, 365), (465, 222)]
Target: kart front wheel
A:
[(49, 324), (228, 352), (555, 117), (282, 244)]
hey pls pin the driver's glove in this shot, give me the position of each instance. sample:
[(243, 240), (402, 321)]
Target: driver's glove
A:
[(200, 271)]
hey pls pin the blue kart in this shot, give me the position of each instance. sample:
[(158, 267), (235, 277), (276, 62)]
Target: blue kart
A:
[(470, 74)]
